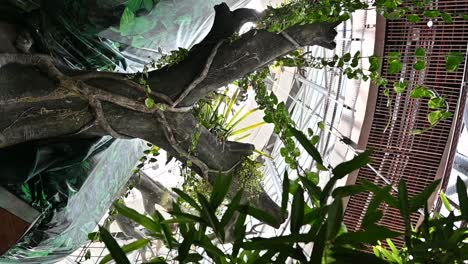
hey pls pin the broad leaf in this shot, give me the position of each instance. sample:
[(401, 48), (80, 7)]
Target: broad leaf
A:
[(374, 63), (413, 18), (453, 61), (400, 87), (421, 92)]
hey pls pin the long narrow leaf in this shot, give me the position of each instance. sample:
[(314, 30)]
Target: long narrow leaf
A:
[(334, 219), (297, 211), (285, 194), (187, 198), (127, 249), (209, 213), (462, 198), (233, 205), (308, 146), (232, 100), (232, 125), (143, 220), (220, 189), (419, 200), (166, 230), (259, 214), (247, 128), (115, 250), (404, 210)]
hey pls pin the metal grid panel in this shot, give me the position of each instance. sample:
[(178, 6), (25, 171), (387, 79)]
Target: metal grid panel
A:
[(398, 154)]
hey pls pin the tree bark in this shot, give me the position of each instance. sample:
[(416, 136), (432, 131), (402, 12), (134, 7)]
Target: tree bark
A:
[(37, 103)]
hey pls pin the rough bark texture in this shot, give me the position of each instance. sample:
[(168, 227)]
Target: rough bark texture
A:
[(38, 104)]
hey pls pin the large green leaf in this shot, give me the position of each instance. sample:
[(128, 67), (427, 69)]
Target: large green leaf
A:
[(308, 146), (127, 249), (400, 86), (184, 247), (420, 200), (127, 21), (297, 210), (143, 220), (220, 189), (462, 198), (115, 250), (421, 92)]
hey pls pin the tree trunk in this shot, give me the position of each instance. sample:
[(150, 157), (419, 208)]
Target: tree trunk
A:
[(46, 103)]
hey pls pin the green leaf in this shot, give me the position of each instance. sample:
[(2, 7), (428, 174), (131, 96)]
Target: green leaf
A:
[(94, 236), (334, 219), (420, 199), (369, 236), (355, 61), (413, 18), (166, 229), (405, 210), (445, 201), (143, 220), (346, 57), (437, 103), (315, 139), (285, 194), (432, 13), (233, 205), (127, 21), (400, 87), (374, 63), (346, 255), (297, 210), (116, 252), (134, 5), (319, 246), (419, 65), (344, 169), (305, 142), (209, 214), (420, 53), (312, 189), (395, 65), (453, 60), (435, 117), (321, 125), (127, 249), (149, 102), (220, 189), (187, 198), (258, 214), (148, 4), (462, 198), (420, 92), (348, 190), (273, 242), (447, 18)]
